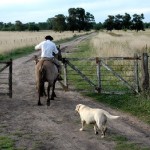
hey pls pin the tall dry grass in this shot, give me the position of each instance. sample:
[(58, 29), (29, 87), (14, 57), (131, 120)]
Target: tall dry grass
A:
[(120, 43), (9, 41)]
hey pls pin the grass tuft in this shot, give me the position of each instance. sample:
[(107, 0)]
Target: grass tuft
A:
[(6, 143), (122, 143)]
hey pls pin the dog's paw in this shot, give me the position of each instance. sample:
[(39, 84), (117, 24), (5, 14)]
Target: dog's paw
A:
[(81, 129)]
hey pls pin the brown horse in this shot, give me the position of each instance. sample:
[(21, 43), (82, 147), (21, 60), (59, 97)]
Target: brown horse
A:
[(46, 71)]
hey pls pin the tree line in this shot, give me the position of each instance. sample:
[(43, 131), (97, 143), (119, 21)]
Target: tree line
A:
[(124, 22), (78, 19)]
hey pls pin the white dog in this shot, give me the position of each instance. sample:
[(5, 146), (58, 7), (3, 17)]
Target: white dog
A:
[(98, 117)]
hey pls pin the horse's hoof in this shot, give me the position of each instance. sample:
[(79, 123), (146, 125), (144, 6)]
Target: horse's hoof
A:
[(54, 95), (48, 103)]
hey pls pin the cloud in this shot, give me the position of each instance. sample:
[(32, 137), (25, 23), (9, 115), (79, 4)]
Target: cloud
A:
[(14, 2), (139, 10), (32, 10)]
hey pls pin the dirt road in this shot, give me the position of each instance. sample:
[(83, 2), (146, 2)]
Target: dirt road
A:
[(57, 127)]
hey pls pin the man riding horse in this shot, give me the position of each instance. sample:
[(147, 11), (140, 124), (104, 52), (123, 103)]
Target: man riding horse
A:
[(47, 69), (48, 49)]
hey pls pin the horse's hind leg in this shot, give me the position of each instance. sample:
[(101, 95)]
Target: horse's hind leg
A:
[(53, 91), (39, 101), (48, 95)]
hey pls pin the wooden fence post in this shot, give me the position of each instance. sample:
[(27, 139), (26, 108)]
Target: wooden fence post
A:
[(145, 73), (10, 78), (65, 73), (136, 73), (98, 75)]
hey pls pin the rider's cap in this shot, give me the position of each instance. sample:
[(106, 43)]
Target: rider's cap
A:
[(48, 37)]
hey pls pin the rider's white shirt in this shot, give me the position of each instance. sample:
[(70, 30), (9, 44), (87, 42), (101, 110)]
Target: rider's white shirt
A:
[(47, 48)]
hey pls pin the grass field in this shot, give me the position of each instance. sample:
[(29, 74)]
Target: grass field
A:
[(9, 41), (120, 43), (104, 44)]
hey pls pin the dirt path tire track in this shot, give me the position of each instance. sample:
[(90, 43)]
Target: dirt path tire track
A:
[(57, 127)]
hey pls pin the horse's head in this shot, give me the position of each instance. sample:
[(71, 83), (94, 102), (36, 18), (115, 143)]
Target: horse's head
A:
[(58, 56)]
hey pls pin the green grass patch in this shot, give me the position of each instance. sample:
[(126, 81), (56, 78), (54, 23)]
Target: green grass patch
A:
[(17, 53), (82, 51), (6, 143), (122, 143), (135, 105)]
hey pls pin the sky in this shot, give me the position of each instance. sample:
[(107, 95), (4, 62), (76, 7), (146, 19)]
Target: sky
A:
[(40, 10)]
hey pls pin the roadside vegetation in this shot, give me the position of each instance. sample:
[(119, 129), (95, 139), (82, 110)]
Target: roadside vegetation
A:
[(6, 143), (122, 143)]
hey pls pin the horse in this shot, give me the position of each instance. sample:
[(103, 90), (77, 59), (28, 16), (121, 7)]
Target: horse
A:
[(46, 71)]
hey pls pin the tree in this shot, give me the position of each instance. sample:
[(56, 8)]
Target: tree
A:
[(126, 21), (33, 27), (80, 18), (7, 26), (1, 25), (19, 26), (109, 23), (147, 25), (72, 20), (59, 23), (98, 26), (43, 26), (137, 23), (50, 23), (89, 21), (118, 22)]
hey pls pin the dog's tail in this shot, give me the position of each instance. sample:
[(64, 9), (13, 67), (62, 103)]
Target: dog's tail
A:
[(108, 115)]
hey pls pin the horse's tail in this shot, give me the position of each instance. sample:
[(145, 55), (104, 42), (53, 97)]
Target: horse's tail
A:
[(41, 82), (41, 75)]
